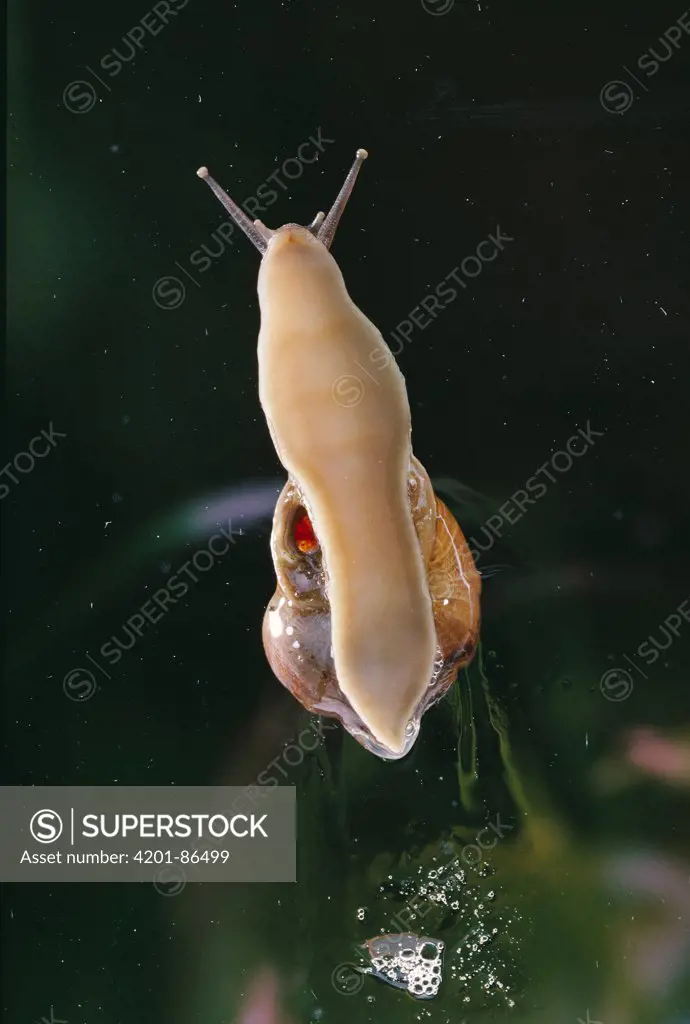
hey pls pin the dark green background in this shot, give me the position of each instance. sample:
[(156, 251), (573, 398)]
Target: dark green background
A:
[(488, 115)]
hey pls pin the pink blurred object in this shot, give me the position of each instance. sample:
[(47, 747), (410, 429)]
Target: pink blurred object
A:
[(656, 952), (668, 758), (261, 1004)]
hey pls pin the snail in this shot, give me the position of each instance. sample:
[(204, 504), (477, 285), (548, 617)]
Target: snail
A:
[(376, 606)]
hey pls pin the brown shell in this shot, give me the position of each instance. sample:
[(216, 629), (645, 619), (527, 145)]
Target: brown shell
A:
[(297, 624)]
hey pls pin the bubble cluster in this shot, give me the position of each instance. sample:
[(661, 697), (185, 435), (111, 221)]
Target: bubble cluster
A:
[(465, 906), (481, 971), (409, 962)]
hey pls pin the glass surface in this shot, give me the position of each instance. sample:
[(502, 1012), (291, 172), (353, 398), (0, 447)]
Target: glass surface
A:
[(549, 403)]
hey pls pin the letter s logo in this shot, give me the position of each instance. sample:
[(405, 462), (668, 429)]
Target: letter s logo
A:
[(46, 826)]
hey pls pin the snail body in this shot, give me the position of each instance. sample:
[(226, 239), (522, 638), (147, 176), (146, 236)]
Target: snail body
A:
[(377, 598)]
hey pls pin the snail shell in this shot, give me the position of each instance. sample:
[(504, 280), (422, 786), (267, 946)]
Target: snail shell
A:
[(297, 623)]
